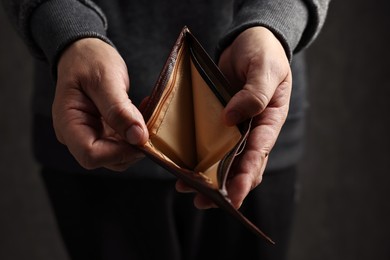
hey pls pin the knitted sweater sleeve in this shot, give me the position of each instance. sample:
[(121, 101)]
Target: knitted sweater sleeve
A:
[(48, 27), (295, 22)]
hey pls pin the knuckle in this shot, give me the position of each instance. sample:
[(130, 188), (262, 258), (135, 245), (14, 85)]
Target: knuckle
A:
[(256, 100), (88, 158), (118, 167), (256, 168), (261, 100), (92, 79), (256, 181), (57, 131), (96, 76), (116, 112), (59, 136)]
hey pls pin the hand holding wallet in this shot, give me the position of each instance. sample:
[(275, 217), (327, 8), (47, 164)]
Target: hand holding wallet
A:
[(186, 133)]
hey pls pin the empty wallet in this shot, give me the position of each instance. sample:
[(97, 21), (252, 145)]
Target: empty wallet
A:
[(186, 133)]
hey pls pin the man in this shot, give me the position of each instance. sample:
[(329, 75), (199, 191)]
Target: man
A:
[(86, 51)]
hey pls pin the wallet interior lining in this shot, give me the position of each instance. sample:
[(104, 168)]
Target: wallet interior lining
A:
[(186, 127)]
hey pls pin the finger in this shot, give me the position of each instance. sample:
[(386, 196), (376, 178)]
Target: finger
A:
[(91, 150), (108, 89), (247, 177), (120, 167), (121, 114), (248, 170)]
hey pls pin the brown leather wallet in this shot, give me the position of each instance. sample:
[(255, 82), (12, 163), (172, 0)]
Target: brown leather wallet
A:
[(186, 133)]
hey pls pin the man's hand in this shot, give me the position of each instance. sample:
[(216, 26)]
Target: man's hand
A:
[(257, 63), (92, 113)]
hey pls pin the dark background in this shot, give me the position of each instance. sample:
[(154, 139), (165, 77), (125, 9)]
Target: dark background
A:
[(344, 196)]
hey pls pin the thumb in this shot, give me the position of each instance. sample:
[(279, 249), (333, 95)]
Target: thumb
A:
[(254, 96), (111, 98), (90, 68), (126, 120)]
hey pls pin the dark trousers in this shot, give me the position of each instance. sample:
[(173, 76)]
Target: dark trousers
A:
[(116, 218)]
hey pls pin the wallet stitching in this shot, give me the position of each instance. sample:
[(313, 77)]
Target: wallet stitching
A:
[(168, 103), (172, 94)]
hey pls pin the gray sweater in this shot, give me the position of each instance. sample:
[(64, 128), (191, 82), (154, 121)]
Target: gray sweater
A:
[(143, 33)]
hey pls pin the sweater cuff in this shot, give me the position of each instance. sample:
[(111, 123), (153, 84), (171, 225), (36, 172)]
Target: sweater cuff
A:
[(287, 19), (57, 23)]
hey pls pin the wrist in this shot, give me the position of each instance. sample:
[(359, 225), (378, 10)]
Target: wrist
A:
[(58, 23), (287, 19), (86, 58)]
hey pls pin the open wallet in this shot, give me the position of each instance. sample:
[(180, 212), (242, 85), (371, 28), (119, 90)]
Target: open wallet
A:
[(184, 118)]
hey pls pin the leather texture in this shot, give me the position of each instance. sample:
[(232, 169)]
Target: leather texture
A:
[(186, 133)]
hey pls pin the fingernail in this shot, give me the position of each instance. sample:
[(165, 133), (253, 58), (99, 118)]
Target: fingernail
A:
[(233, 117), (134, 134)]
